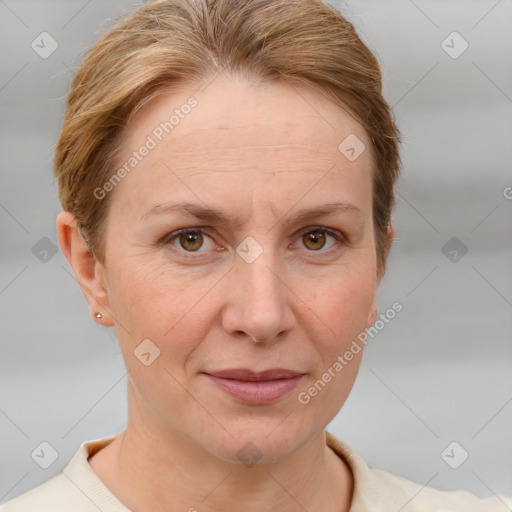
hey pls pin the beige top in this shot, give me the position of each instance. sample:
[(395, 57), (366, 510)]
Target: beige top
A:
[(79, 489)]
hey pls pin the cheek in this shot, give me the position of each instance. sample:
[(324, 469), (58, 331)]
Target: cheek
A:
[(345, 296), (342, 304), (143, 293), (169, 309)]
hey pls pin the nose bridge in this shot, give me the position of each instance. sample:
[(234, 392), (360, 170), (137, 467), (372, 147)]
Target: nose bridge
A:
[(261, 288), (259, 307), (260, 282)]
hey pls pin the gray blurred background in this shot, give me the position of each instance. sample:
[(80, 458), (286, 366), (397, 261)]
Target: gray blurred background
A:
[(439, 373)]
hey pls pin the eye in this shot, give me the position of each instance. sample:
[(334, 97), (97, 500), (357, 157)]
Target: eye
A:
[(315, 239), (189, 240)]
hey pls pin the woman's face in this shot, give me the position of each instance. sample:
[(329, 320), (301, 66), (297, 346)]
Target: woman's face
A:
[(265, 266)]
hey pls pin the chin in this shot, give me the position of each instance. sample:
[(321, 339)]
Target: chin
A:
[(252, 441)]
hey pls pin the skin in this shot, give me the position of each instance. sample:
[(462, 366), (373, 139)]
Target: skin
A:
[(304, 301)]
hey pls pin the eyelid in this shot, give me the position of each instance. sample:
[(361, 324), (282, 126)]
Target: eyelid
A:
[(330, 231)]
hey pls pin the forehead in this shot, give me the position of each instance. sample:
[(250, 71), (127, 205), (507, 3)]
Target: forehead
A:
[(278, 114), (238, 133)]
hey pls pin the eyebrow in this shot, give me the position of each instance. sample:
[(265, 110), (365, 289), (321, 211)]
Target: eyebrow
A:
[(207, 214)]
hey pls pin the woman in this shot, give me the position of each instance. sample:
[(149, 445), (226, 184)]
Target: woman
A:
[(226, 171)]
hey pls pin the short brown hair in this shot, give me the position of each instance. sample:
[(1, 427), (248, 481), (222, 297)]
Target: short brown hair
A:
[(169, 42)]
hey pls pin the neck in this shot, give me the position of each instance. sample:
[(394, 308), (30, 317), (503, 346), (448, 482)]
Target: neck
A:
[(148, 468)]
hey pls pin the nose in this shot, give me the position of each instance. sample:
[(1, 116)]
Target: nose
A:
[(258, 305)]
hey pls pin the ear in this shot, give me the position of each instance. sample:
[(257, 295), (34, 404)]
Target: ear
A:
[(373, 314), (381, 267), (89, 273)]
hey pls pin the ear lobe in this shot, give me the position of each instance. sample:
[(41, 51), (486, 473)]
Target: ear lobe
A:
[(88, 271)]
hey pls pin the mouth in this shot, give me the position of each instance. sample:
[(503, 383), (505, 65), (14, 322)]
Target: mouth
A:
[(256, 388)]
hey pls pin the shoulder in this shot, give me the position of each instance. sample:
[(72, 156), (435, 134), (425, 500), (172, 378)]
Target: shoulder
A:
[(56, 494), (76, 488), (376, 490), (415, 497)]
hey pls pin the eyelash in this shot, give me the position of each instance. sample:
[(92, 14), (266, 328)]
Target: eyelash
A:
[(338, 236)]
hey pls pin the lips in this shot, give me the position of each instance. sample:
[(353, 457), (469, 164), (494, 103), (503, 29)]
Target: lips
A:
[(256, 388), (251, 376)]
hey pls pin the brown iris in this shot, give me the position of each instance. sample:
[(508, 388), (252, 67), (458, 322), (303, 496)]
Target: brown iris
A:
[(191, 241), (314, 240)]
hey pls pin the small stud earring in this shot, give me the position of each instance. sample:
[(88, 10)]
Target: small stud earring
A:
[(98, 315)]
